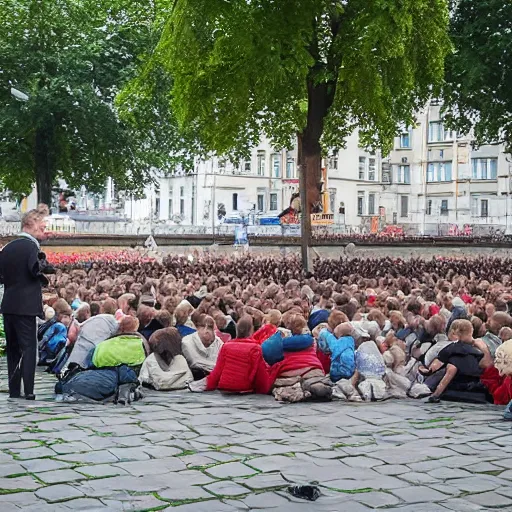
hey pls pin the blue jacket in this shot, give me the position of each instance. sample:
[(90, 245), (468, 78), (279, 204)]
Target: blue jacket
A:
[(274, 348), (343, 361)]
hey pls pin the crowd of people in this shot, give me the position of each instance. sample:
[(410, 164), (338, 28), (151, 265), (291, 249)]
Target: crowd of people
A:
[(353, 329)]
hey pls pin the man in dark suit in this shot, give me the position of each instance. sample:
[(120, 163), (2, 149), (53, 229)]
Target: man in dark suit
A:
[(22, 268)]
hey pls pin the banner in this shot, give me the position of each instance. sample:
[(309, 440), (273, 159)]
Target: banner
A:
[(322, 219)]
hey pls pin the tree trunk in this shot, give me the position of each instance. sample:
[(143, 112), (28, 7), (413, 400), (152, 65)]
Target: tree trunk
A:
[(320, 98), (43, 164)]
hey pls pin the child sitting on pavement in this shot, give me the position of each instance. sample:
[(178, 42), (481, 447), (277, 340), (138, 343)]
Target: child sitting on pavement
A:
[(460, 360)]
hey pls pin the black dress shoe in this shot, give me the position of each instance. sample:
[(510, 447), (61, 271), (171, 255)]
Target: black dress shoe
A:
[(14, 396), (30, 397)]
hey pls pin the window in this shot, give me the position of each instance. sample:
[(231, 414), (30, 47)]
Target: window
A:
[(247, 167), (444, 207), (484, 168), (405, 139), (362, 168), (171, 206), (333, 160), (404, 206), (403, 174), (261, 163), (371, 169), (439, 171), (438, 133), (276, 165), (484, 208), (235, 202), (371, 204), (182, 200), (290, 166), (157, 207), (261, 202), (429, 207), (474, 206), (273, 202), (360, 203), (222, 165)]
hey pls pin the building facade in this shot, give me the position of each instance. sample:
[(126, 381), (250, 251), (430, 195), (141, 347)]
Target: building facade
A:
[(432, 182)]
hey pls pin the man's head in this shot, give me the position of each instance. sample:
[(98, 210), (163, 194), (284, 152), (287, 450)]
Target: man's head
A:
[(206, 329), (245, 327), (128, 324), (83, 313), (461, 330), (95, 308), (109, 306), (124, 302), (34, 221), (498, 321), (274, 317), (344, 329)]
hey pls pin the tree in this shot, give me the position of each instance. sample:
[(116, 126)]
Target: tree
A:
[(71, 57), (478, 93), (312, 69)]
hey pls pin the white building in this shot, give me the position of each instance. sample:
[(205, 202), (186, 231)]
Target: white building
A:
[(432, 182)]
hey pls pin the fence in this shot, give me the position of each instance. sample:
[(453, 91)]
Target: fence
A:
[(136, 228)]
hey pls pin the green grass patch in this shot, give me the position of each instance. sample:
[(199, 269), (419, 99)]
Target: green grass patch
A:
[(3, 492), (363, 490), (53, 418), (433, 420)]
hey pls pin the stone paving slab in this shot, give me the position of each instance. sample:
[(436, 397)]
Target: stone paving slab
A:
[(211, 452)]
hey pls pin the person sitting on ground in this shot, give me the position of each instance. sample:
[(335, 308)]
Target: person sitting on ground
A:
[(148, 324), (496, 322), (340, 345), (56, 337), (165, 369), (95, 309), (124, 303), (202, 348), (272, 321), (460, 362), (240, 366), (182, 316)]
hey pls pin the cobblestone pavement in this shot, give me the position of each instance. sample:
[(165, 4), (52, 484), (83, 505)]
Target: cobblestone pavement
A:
[(210, 452)]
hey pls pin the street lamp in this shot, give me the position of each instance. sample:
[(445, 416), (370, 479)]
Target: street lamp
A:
[(20, 96)]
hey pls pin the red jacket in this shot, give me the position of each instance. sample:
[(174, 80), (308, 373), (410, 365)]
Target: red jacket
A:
[(499, 387), (240, 368), (296, 361), (264, 333)]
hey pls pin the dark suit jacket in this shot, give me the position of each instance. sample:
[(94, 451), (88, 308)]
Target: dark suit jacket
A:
[(20, 272)]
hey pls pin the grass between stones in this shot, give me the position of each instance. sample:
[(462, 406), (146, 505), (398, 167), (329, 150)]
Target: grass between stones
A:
[(363, 490), (3, 492)]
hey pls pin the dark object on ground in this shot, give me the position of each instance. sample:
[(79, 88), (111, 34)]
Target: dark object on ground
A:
[(305, 492)]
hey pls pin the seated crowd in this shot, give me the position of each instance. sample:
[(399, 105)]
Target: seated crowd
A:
[(385, 329)]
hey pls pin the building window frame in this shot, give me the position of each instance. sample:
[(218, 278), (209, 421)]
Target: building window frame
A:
[(444, 210), (404, 206), (403, 174), (290, 166), (362, 168), (182, 200), (484, 208), (273, 202), (484, 168), (439, 172), (360, 203), (371, 204)]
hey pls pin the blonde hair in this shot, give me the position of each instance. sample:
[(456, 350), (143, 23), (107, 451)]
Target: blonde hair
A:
[(274, 317), (35, 216), (503, 360)]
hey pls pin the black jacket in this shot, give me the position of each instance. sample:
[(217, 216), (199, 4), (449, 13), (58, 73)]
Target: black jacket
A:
[(21, 267)]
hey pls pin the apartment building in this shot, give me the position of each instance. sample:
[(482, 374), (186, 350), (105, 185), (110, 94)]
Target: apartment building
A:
[(433, 181)]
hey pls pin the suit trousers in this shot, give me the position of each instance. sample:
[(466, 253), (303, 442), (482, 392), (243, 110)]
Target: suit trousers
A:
[(21, 345)]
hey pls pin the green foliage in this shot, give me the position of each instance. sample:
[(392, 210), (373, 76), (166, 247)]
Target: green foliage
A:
[(478, 93), (71, 57), (241, 67)]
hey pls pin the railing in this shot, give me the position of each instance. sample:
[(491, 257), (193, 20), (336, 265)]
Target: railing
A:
[(335, 231)]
